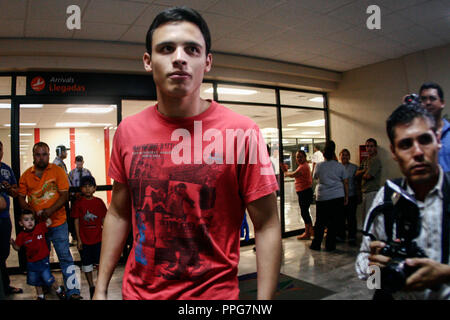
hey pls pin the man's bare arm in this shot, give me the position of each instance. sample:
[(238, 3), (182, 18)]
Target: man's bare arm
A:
[(264, 215), (23, 203), (116, 227)]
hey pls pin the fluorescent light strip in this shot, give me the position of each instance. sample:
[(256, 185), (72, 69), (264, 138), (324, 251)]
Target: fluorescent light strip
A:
[(316, 99), (80, 124), (25, 106), (311, 133), (90, 110), (243, 92), (21, 124), (314, 123)]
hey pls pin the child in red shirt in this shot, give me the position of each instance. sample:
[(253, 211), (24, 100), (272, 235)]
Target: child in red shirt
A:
[(37, 252), (89, 213)]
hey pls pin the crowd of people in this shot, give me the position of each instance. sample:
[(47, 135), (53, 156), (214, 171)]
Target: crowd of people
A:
[(43, 194), (186, 216)]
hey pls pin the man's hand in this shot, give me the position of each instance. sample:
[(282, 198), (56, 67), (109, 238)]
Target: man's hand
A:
[(375, 258), (79, 244), (430, 275)]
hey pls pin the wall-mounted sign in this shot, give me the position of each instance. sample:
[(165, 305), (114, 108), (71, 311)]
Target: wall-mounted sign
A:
[(89, 84)]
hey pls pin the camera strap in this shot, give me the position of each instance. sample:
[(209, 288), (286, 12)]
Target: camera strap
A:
[(386, 209)]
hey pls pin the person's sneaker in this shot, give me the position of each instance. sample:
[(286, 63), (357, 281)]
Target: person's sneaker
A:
[(62, 294), (75, 296), (91, 291), (40, 298)]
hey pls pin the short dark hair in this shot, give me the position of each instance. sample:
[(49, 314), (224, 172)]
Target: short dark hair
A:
[(182, 13), (79, 158), (405, 114), (87, 180), (40, 144), (302, 152), (25, 212), (328, 151), (373, 141), (345, 150), (432, 85)]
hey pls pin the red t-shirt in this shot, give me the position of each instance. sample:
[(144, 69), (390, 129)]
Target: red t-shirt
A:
[(304, 180), (90, 214), (189, 187), (34, 241)]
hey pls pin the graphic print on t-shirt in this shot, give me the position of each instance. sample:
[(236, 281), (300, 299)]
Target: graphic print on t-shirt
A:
[(174, 207)]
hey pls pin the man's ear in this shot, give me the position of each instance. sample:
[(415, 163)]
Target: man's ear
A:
[(208, 62), (147, 59)]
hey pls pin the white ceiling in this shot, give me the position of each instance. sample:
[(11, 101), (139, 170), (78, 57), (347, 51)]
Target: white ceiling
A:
[(329, 34)]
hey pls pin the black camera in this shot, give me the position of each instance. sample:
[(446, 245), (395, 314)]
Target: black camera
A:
[(394, 275), (411, 98), (408, 226)]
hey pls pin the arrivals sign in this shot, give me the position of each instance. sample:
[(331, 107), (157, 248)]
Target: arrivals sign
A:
[(86, 84)]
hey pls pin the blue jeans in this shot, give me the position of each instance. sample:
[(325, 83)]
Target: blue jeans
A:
[(59, 236)]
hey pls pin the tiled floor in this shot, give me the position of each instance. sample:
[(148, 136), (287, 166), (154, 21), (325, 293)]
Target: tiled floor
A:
[(334, 271), (331, 270)]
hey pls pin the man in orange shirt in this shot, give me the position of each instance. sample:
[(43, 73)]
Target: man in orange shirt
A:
[(46, 186)]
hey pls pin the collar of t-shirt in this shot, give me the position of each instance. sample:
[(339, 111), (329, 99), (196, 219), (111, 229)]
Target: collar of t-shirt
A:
[(175, 121)]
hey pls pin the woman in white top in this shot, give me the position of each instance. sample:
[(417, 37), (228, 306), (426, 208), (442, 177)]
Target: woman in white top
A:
[(331, 196)]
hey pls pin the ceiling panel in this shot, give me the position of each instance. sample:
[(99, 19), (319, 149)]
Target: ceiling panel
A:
[(321, 33)]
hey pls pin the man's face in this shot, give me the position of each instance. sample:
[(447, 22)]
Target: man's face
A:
[(178, 60), (371, 148), (79, 164), (41, 157), (345, 157), (431, 101), (63, 155), (416, 150)]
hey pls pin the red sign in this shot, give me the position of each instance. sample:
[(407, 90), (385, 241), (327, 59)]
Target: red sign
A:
[(38, 83)]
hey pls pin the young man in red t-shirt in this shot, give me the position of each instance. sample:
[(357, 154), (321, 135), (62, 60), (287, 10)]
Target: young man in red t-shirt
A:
[(38, 264), (88, 213), (186, 199)]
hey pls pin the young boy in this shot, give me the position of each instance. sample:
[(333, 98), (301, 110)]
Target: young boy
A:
[(89, 212), (37, 252)]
